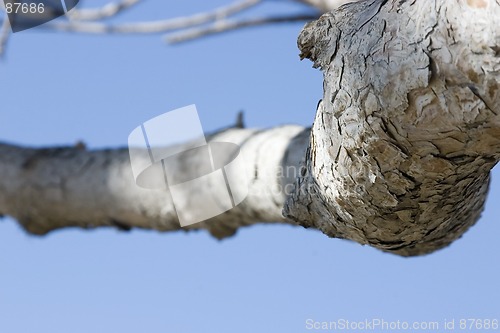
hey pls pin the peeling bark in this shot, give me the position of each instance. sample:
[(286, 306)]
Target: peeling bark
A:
[(408, 128)]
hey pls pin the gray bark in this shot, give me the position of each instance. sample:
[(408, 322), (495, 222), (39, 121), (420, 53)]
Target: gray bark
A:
[(408, 129), (398, 157), (48, 189)]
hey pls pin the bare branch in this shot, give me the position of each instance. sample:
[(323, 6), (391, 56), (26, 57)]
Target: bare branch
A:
[(325, 5), (51, 188), (4, 34), (225, 26), (89, 20), (106, 11), (154, 26)]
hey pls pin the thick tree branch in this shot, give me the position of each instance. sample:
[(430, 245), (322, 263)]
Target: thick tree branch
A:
[(4, 34), (409, 126), (47, 189), (90, 20), (158, 26), (325, 5), (399, 154)]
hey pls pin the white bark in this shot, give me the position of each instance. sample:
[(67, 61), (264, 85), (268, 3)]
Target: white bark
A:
[(409, 127), (399, 154), (46, 189)]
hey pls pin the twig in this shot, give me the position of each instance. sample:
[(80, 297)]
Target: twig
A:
[(87, 21), (106, 11), (154, 26), (225, 26), (5, 32)]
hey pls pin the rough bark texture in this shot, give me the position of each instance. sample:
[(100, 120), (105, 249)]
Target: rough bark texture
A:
[(47, 189), (408, 129), (399, 154)]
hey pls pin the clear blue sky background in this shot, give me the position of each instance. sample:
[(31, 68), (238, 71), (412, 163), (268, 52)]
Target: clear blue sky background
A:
[(59, 88)]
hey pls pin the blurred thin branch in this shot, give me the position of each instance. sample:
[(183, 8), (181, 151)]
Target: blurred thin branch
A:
[(109, 10), (224, 26), (90, 21)]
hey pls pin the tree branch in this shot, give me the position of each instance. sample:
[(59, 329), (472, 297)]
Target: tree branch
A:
[(4, 34), (109, 10), (225, 26), (399, 154), (154, 26), (48, 189)]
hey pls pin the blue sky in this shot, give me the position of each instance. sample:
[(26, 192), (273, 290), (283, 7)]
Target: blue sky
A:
[(59, 88)]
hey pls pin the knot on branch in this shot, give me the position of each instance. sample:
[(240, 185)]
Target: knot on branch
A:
[(408, 128)]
